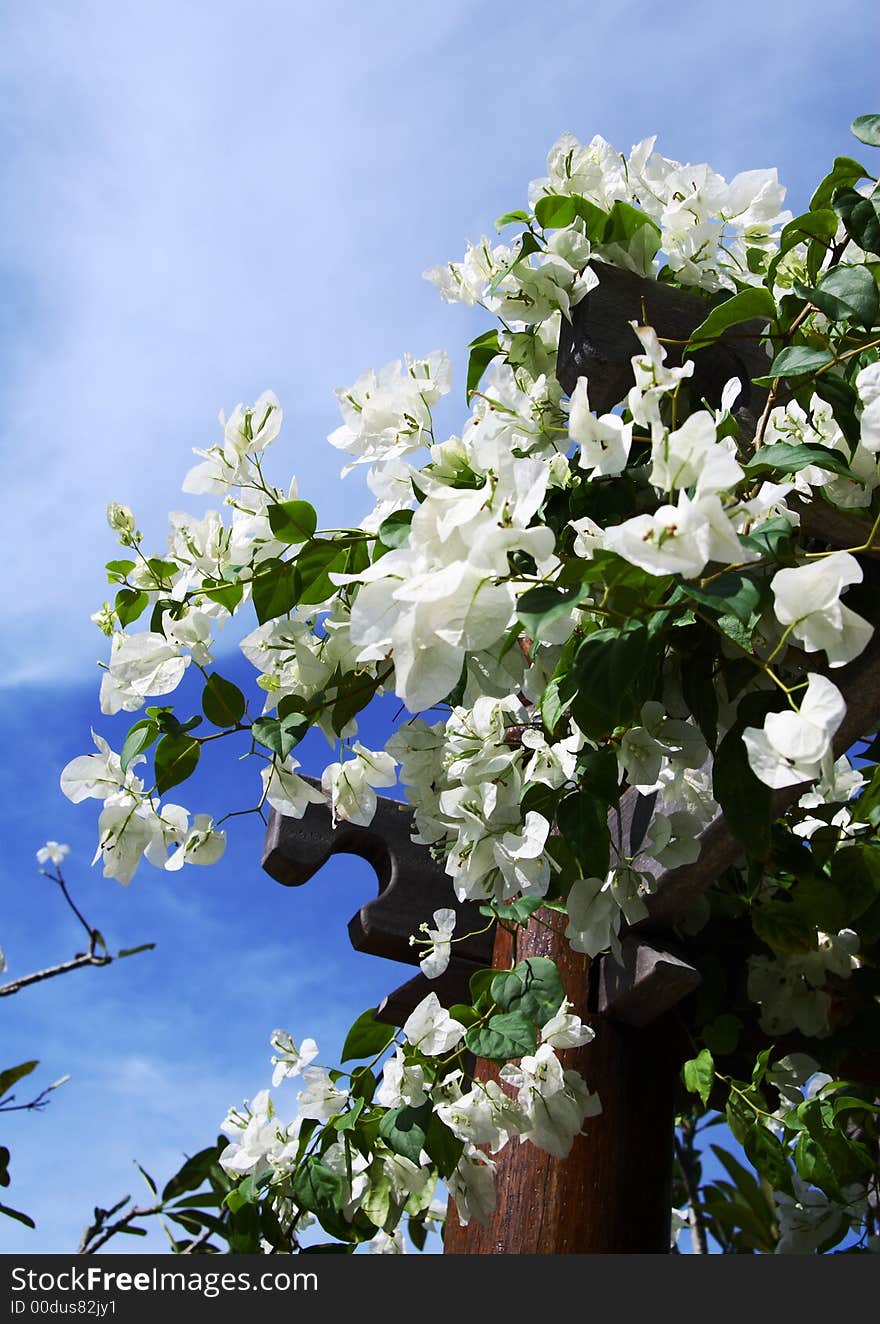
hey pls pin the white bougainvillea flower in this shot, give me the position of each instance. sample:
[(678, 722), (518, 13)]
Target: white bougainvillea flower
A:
[(791, 746), (97, 776), (868, 387), (431, 1029), (125, 831), (679, 539), (320, 1099), (350, 784), (201, 845), (402, 1083), (435, 961), (53, 851), (566, 1030), (141, 666), (521, 858), (593, 916), (286, 791), (486, 1115), (290, 1061), (807, 598), (472, 1186), (605, 442)]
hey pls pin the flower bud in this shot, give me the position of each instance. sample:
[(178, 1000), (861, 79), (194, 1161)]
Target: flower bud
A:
[(121, 521)]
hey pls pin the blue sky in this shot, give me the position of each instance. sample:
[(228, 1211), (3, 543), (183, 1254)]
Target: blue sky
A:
[(201, 202)]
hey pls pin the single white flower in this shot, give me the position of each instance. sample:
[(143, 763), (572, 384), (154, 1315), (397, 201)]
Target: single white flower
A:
[(436, 959), (791, 746), (807, 598), (290, 1060), (431, 1029), (53, 851)]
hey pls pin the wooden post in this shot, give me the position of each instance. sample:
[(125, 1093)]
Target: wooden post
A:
[(613, 1192)]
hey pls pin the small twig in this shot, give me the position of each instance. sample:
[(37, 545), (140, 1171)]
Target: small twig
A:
[(78, 962), (38, 1102), (98, 1235)]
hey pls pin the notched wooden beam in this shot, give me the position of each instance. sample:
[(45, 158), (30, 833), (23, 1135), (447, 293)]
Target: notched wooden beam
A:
[(412, 885), (646, 982), (599, 343)]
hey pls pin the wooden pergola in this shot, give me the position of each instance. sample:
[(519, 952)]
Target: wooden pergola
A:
[(613, 1192)]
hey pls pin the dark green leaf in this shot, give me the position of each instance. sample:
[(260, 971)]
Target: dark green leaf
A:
[(282, 734), (749, 303), (193, 1172), (769, 1157), (599, 774), (275, 589), (861, 216), (404, 1130), (855, 878), (844, 173), (744, 800), (139, 738), (583, 823), (735, 593), (533, 987), (442, 1146), (698, 1074), (812, 225), (611, 673), (797, 360), (12, 1075), (539, 607), (129, 604), (787, 457), (319, 1189), (784, 927), (394, 531), (367, 1037), (504, 1038), (222, 702), (722, 1035), (867, 129), (292, 521), (846, 294), (176, 759), (135, 951)]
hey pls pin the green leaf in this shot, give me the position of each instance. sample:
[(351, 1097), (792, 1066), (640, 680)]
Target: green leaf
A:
[(129, 604), (319, 1189), (769, 1157), (280, 734), (611, 674), (744, 799), (783, 927), (348, 1120), (135, 951), (482, 351), (518, 911), (139, 738), (867, 129), (528, 244), (749, 303), (734, 594), (394, 531), (787, 457), (861, 216), (442, 1146), (12, 1075), (367, 1037), (222, 702), (539, 607), (844, 173), (504, 1038), (722, 1035), (812, 225), (275, 589), (556, 211), (511, 218), (855, 878), (599, 774), (533, 987), (797, 360), (292, 521), (176, 759), (845, 294), (625, 222), (698, 1074), (193, 1172), (583, 823), (771, 538), (404, 1130), (228, 595)]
